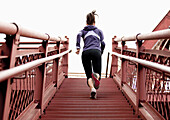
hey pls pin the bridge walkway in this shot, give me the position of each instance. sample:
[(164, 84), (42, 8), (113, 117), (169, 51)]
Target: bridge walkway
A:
[(72, 102)]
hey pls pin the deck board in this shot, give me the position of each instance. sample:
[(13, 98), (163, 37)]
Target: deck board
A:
[(72, 102)]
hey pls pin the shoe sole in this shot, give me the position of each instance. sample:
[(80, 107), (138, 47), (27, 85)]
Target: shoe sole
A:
[(96, 82), (93, 95)]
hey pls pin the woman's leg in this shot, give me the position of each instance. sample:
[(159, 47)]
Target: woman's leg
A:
[(90, 57), (96, 61), (86, 60)]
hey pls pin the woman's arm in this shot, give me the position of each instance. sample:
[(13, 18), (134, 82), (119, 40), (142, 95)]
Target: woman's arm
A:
[(78, 42)]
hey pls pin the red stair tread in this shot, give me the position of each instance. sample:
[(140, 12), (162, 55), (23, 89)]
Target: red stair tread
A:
[(72, 102), (91, 119)]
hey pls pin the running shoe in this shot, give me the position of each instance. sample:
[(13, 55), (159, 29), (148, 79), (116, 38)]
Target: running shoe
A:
[(95, 79), (93, 93)]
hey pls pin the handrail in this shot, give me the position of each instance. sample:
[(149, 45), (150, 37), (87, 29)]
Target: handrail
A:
[(136, 78), (145, 63), (19, 69), (161, 34), (12, 28)]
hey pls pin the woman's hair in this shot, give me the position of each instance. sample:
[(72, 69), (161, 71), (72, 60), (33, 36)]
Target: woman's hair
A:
[(90, 19)]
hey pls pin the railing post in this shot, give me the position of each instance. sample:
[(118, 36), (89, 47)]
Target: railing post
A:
[(123, 66), (65, 62), (114, 63), (141, 78), (10, 49), (41, 78), (56, 66), (107, 63)]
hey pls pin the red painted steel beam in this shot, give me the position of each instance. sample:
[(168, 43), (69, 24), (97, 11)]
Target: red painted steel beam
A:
[(157, 66), (161, 34), (6, 74), (11, 29)]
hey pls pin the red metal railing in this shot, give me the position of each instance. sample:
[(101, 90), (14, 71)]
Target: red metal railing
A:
[(29, 76), (143, 75)]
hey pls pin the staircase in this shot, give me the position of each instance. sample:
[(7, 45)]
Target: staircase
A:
[(72, 102)]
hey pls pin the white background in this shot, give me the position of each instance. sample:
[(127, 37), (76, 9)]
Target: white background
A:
[(68, 17)]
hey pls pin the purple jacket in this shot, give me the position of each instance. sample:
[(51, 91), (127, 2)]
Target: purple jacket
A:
[(93, 38)]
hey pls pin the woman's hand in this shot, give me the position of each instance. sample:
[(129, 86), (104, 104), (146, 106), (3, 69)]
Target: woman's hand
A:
[(78, 51)]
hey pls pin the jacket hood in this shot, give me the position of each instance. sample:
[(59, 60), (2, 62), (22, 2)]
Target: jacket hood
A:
[(89, 27)]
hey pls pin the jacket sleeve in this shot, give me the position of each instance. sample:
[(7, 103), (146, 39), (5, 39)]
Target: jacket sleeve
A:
[(102, 47), (102, 41), (79, 39)]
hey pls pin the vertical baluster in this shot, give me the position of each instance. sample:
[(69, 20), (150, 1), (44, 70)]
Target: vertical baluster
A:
[(41, 78), (14, 92), (114, 63), (167, 107), (158, 98), (141, 78), (24, 91), (65, 58), (17, 99), (152, 88), (107, 63), (10, 49), (123, 66), (163, 94), (56, 66)]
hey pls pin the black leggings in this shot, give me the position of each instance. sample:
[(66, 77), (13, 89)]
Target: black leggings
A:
[(91, 60)]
